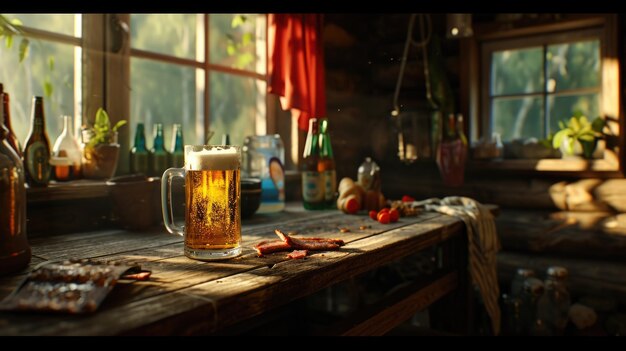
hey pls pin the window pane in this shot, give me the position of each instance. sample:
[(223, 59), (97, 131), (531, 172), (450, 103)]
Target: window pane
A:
[(238, 41), (517, 71), (166, 93), (561, 108), (170, 34), (518, 117), (573, 65), (26, 79), (51, 22), (234, 106)]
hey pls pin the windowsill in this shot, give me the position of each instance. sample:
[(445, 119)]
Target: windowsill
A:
[(73, 190), (605, 165)]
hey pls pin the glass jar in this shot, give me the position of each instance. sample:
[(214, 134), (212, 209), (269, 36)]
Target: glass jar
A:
[(263, 158), (553, 307), (517, 284)]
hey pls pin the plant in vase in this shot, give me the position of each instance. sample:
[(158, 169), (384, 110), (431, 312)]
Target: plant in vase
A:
[(578, 137), (101, 150)]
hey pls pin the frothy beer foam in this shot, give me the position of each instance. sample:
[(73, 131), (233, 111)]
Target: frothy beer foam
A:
[(213, 159)]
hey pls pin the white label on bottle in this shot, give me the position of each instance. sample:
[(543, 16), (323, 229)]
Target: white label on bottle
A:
[(312, 187), (330, 184)]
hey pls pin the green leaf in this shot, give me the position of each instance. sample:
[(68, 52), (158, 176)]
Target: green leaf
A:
[(237, 21), (230, 49), (561, 125), (102, 120), (586, 137), (558, 138), (9, 40), (51, 62), (597, 125), (16, 22), (573, 124), (119, 124), (23, 49), (246, 39), (47, 88)]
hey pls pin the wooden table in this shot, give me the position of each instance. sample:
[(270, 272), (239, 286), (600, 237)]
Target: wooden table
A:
[(185, 296)]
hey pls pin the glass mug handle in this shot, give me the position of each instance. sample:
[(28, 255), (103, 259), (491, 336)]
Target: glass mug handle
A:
[(166, 200)]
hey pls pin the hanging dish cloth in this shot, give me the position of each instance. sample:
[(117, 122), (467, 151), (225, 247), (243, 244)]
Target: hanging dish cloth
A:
[(483, 245)]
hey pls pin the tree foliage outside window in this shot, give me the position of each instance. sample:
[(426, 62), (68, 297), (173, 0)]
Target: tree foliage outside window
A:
[(533, 88)]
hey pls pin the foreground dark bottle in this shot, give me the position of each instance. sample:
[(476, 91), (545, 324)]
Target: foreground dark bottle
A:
[(11, 138), (139, 153), (37, 147), (14, 249)]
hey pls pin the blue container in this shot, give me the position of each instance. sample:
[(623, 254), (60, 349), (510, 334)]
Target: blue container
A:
[(263, 158)]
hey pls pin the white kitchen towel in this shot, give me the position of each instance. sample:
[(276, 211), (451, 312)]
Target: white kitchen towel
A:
[(483, 244)]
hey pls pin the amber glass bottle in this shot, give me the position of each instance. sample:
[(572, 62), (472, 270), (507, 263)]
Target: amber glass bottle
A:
[(37, 147), (11, 138), (312, 184), (14, 249)]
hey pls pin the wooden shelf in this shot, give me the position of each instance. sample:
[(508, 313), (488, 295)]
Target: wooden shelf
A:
[(547, 165), (73, 190)]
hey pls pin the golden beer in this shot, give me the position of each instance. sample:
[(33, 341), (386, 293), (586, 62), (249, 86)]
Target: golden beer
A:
[(212, 211), (212, 201)]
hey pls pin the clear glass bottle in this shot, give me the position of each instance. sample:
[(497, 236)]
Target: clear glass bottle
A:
[(517, 284), (37, 147), (369, 175), (139, 158), (158, 154), (326, 165), (66, 154), (11, 137), (15, 251), (312, 185), (263, 158), (553, 307), (177, 152), (532, 291)]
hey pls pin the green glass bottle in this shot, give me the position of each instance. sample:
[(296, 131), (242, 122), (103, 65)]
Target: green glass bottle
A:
[(139, 153), (37, 147), (177, 152), (326, 165), (312, 184), (158, 154)]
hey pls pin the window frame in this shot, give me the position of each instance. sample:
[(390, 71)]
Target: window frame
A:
[(475, 100), (541, 40)]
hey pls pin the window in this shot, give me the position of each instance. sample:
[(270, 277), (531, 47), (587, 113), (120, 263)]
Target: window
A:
[(534, 83), (204, 71), (52, 69), (522, 77)]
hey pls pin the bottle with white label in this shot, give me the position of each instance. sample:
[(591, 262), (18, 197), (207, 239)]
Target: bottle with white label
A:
[(312, 182)]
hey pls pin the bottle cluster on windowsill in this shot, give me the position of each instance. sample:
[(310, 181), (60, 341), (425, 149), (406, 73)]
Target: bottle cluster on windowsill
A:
[(155, 161)]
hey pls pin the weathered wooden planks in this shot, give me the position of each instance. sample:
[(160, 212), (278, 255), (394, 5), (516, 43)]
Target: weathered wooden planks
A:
[(191, 297)]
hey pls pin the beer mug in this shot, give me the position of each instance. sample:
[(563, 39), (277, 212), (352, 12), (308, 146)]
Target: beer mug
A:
[(212, 227)]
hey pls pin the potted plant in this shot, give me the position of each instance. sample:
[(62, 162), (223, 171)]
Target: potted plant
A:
[(578, 137), (101, 150)]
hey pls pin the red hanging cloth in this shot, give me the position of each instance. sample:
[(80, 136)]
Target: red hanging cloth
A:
[(296, 64)]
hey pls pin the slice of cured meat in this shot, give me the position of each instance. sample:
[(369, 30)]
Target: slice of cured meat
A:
[(296, 254), (303, 244), (266, 247)]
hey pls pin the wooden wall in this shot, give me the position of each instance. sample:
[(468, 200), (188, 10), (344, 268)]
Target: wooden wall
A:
[(363, 55)]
